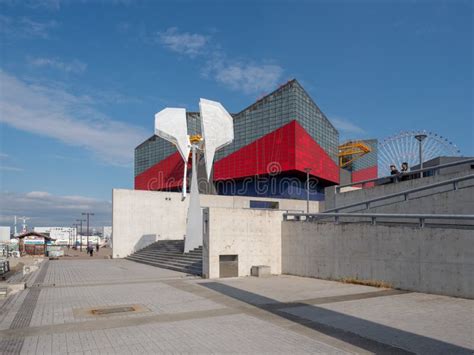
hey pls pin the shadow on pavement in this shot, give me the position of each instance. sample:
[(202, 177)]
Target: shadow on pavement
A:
[(308, 315)]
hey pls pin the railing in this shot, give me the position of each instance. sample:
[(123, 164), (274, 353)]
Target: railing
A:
[(410, 173), (373, 217), (4, 267), (454, 182)]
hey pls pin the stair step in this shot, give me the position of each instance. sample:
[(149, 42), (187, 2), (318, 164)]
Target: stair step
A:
[(168, 254), (169, 261), (189, 270), (160, 253), (163, 260)]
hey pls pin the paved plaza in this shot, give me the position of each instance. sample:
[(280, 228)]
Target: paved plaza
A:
[(142, 309)]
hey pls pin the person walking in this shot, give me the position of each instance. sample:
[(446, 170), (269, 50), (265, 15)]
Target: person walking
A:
[(90, 250)]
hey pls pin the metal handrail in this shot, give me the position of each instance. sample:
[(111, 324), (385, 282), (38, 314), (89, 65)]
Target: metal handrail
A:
[(405, 193), (373, 216), (413, 172)]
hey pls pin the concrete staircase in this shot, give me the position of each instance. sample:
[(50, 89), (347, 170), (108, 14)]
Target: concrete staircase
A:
[(168, 254)]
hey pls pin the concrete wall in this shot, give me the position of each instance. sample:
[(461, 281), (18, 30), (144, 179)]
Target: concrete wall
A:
[(424, 202), (142, 217), (432, 260), (442, 200), (253, 235)]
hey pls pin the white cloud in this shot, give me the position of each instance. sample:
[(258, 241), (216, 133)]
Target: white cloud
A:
[(46, 209), (37, 194), (56, 4), (246, 77), (71, 119), (9, 168), (183, 42), (346, 127), (34, 4), (3, 167), (74, 66), (24, 27)]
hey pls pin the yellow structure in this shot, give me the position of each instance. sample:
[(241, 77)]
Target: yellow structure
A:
[(351, 151), (195, 138)]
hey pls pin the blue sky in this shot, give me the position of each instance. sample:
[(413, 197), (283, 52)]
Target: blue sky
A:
[(82, 80)]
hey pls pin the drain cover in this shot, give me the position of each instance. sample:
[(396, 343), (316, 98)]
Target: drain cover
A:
[(103, 311)]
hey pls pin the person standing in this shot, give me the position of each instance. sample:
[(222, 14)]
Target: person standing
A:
[(404, 172), (394, 173), (393, 170)]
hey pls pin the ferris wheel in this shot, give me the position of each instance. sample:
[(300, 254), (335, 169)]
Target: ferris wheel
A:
[(404, 147)]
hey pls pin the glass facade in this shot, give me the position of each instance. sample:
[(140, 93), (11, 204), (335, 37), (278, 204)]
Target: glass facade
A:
[(370, 159), (155, 149), (287, 103)]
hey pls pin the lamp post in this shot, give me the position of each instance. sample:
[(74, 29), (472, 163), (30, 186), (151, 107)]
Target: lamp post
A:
[(87, 214), (307, 188), (420, 138), (80, 224), (74, 236)]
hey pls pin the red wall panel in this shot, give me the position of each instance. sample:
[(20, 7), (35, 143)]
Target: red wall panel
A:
[(271, 153), (309, 154), (166, 174), (365, 174), (288, 148)]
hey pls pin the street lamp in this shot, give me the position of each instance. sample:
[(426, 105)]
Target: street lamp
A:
[(87, 214), (307, 188), (80, 221), (420, 138), (74, 236)]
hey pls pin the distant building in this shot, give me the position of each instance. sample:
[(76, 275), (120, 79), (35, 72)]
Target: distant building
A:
[(62, 235), (5, 233), (33, 243), (365, 167)]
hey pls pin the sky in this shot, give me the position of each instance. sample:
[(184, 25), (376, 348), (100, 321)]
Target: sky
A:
[(80, 81)]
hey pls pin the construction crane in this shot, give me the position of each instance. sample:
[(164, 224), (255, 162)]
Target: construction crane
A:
[(351, 151)]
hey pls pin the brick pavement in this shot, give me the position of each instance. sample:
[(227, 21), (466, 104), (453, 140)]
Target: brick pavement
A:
[(182, 314)]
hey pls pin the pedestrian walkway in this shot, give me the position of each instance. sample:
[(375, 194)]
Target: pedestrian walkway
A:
[(78, 254), (118, 306)]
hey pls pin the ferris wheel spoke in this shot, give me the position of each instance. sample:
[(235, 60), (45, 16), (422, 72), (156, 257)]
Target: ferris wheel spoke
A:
[(431, 150), (393, 153), (403, 147), (384, 165), (411, 148)]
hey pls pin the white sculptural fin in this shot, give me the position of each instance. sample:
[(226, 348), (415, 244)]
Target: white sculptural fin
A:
[(170, 124), (217, 129), (194, 219)]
